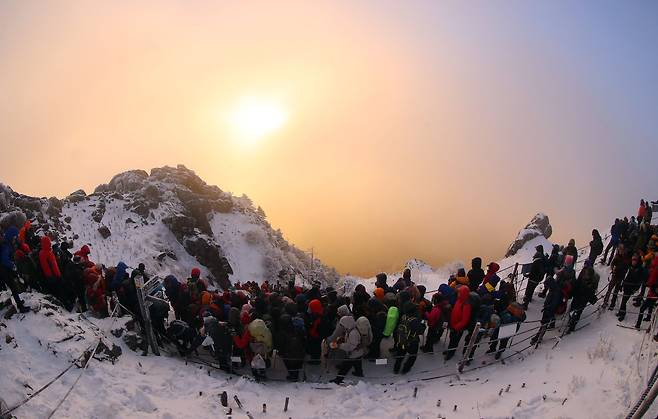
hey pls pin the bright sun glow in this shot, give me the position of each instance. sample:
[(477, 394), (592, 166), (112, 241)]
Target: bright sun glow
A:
[(254, 118)]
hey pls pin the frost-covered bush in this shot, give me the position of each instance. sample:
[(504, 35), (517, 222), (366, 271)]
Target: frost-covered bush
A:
[(254, 237), (604, 349)]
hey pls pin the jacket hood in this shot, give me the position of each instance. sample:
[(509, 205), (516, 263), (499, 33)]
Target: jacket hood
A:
[(347, 322), (343, 311), (494, 267), (170, 281), (476, 263), (11, 234), (363, 325), (462, 294), (84, 250), (46, 244), (315, 307)]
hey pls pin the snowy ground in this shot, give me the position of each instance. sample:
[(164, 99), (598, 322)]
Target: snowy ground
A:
[(597, 372)]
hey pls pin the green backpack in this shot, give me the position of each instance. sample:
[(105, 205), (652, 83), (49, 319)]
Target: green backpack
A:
[(391, 321)]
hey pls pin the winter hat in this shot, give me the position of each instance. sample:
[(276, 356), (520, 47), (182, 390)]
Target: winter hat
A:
[(568, 260), (379, 293), (539, 248), (196, 272), (461, 272), (381, 277)]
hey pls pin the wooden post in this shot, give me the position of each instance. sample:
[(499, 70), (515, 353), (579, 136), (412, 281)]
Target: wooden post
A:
[(415, 391), (285, 407), (264, 407)]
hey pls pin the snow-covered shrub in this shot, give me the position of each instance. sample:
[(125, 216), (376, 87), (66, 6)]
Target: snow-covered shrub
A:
[(604, 349), (254, 237)]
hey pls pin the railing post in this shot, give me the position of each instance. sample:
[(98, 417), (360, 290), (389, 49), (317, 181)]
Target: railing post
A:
[(146, 315), (471, 342)]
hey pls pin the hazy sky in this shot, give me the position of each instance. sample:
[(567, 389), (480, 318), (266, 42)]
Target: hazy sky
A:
[(414, 129)]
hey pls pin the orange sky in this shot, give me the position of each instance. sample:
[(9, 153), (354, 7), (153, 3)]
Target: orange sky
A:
[(408, 135)]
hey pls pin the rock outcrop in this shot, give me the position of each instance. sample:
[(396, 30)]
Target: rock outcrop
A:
[(539, 225)]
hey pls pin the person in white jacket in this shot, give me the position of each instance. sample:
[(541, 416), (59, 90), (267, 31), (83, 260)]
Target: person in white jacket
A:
[(350, 343)]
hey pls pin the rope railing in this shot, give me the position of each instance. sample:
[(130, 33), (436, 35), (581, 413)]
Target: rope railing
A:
[(91, 349), (526, 335)]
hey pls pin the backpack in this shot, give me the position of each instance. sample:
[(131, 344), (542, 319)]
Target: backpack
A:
[(475, 302), (365, 330), (404, 332), (194, 290), (298, 325), (391, 321)]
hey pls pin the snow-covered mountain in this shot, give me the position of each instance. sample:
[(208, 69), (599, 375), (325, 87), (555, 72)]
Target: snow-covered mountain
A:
[(170, 220)]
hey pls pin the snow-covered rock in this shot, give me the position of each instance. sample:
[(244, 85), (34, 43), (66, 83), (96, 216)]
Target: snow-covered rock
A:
[(538, 226)]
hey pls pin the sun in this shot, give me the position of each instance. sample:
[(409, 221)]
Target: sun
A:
[(254, 118)]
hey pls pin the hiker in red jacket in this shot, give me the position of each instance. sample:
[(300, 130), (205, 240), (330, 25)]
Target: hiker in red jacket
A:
[(459, 320)]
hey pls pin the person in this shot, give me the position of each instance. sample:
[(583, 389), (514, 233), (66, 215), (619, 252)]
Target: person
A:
[(583, 293), (489, 321), (615, 239), (648, 214), (83, 254), (513, 313), (8, 270), (435, 318), (460, 279), (290, 343), (95, 290), (381, 283), (635, 276), (317, 330), (460, 318), (408, 331), (558, 293), (475, 274), (222, 344), (195, 286), (620, 265), (553, 264), (377, 316), (64, 256), (260, 346), (185, 337), (141, 270), (360, 299), (571, 250), (348, 341), (595, 246), (406, 278), (536, 275), (73, 277), (641, 212), (177, 296), (652, 295)]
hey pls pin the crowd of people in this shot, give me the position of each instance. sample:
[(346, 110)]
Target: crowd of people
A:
[(251, 322)]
